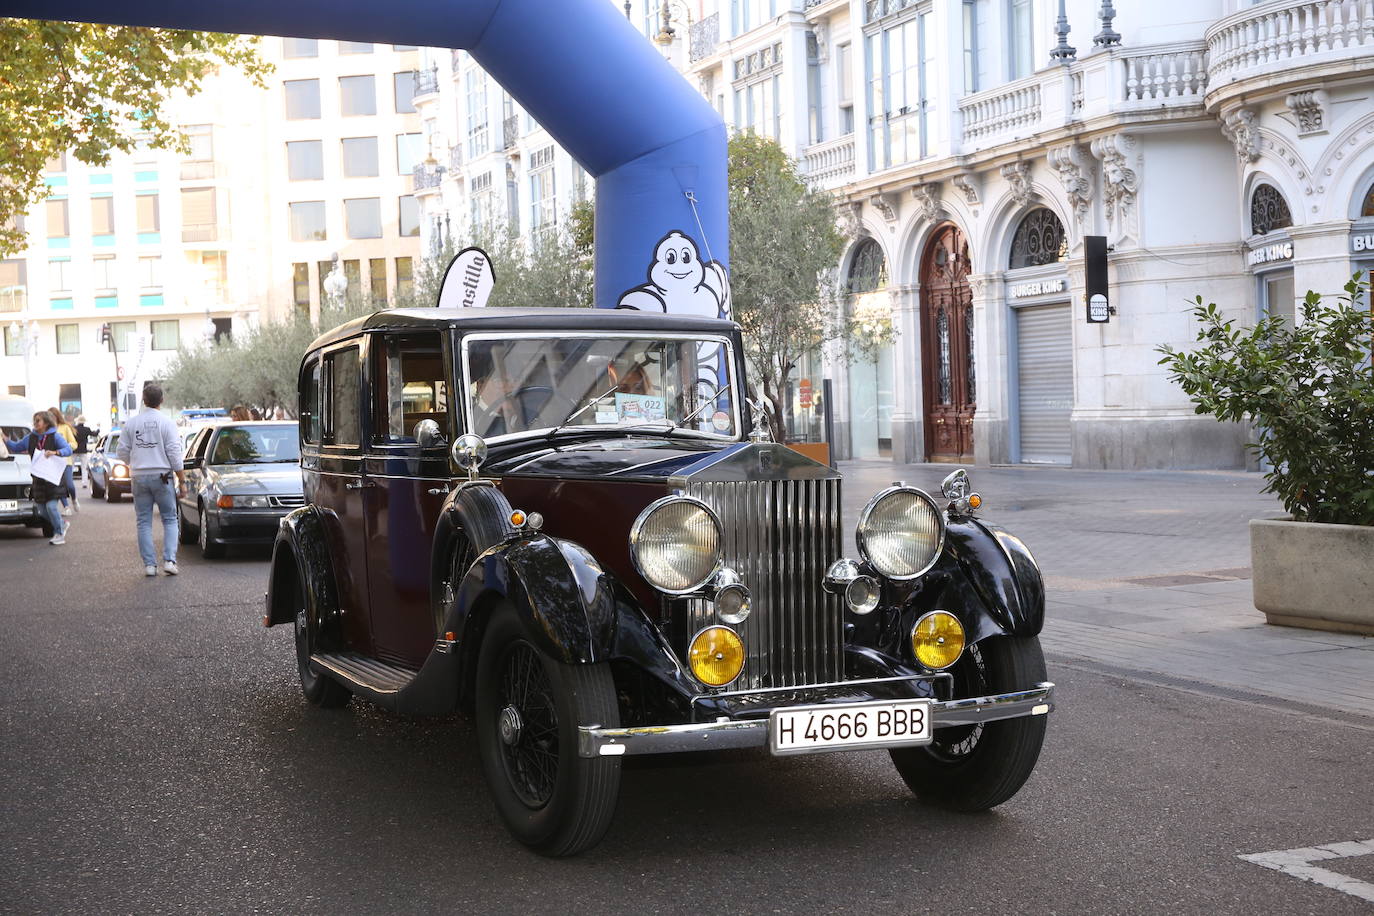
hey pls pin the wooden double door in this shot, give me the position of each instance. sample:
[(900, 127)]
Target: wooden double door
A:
[(947, 362)]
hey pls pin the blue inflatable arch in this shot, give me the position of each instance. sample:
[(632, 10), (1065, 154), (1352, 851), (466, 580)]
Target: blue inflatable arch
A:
[(655, 147)]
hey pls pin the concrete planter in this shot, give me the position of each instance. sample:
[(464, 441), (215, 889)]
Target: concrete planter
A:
[(1314, 575)]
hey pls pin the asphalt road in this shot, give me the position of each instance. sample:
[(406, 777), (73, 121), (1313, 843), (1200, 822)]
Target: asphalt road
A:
[(157, 757)]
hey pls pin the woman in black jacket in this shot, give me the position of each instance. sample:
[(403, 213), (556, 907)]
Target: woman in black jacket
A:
[(45, 494)]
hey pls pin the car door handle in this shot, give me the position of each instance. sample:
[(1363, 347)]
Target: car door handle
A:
[(438, 491), (351, 485)]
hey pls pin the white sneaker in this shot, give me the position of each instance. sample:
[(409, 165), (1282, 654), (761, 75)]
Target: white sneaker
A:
[(58, 540), (67, 511), (150, 570), (170, 569)]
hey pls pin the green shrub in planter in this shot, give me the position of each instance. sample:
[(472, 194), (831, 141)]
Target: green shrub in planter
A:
[(1310, 392)]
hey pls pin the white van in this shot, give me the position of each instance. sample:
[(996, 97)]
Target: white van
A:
[(16, 419)]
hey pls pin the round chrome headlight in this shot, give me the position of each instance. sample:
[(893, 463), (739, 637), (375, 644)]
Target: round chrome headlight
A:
[(675, 544), (901, 532)]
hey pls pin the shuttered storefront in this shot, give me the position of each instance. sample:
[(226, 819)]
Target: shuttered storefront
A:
[(1044, 337)]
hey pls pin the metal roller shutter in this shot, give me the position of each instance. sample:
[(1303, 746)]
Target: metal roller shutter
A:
[(1045, 382)]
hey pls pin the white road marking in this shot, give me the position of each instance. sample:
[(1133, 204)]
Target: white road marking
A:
[(1298, 863)]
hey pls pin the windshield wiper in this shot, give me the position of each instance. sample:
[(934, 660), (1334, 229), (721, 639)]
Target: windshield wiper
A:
[(578, 411), (706, 403)]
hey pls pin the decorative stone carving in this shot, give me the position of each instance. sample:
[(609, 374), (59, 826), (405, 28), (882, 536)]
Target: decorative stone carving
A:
[(851, 217), (1075, 173), (1120, 181), (1241, 127), (883, 204), (1017, 175), (1309, 107), (967, 183), (822, 30), (927, 197)]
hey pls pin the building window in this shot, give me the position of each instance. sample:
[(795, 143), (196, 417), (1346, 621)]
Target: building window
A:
[(357, 95), (305, 160), (1268, 210), (405, 47), (1039, 239), (403, 88), (69, 400), (376, 273), (475, 82), (405, 281), (300, 286), (867, 269), (844, 88), (300, 47), (970, 29), (359, 157), (355, 47), (56, 211), (59, 274), (302, 99), (120, 332), (198, 215), (150, 272), (148, 217), (408, 218), (1367, 208), (307, 221), (102, 216), (103, 274), (482, 200), (166, 334), (322, 271), (56, 165), (68, 338), (199, 163), (224, 329), (363, 218), (14, 345), (757, 107), (408, 149), (542, 202), (1021, 34), (896, 93), (353, 275), (14, 285)]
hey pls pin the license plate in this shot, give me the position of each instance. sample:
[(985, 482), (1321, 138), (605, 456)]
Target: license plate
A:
[(9, 505), (808, 729)]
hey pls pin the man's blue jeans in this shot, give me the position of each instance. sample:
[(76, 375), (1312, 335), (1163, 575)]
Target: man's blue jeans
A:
[(149, 491), (52, 511)]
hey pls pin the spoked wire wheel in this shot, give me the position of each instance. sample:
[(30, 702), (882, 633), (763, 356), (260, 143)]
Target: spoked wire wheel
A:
[(528, 726), (970, 680)]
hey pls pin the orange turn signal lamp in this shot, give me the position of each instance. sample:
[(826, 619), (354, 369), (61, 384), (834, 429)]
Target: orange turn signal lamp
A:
[(517, 518), (225, 502), (975, 501)]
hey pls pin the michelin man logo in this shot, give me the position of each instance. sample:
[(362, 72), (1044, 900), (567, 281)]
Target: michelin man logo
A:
[(681, 282)]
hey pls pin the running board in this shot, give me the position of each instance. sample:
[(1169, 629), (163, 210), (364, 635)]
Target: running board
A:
[(430, 691)]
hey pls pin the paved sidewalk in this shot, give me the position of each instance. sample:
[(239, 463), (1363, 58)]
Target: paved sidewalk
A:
[(1150, 571)]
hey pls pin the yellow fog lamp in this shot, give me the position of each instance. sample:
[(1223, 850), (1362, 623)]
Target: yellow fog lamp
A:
[(937, 639), (716, 656)]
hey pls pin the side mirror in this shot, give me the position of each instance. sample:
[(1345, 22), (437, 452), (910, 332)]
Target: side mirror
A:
[(428, 434), (190, 464)]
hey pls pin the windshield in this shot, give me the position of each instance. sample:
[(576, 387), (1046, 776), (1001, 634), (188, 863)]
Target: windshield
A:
[(524, 384), (257, 445)]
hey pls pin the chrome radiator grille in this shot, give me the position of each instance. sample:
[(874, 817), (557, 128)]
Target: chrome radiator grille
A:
[(780, 535)]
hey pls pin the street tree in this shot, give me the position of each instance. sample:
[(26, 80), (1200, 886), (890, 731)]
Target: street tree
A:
[(91, 90), (784, 245)]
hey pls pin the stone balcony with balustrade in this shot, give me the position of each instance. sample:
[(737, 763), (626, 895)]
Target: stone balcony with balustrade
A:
[(830, 164), (1279, 45)]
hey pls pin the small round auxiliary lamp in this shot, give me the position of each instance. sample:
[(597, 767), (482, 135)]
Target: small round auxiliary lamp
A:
[(468, 453)]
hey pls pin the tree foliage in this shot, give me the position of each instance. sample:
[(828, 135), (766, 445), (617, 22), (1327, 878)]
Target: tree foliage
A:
[(91, 90), (784, 245), (1310, 391)]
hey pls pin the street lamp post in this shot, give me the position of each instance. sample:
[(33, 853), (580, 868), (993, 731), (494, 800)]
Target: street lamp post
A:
[(27, 333), (666, 33)]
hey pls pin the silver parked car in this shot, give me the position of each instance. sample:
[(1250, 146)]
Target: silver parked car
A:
[(109, 475), (241, 478)]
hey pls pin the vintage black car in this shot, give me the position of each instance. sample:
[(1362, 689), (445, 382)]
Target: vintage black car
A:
[(570, 522)]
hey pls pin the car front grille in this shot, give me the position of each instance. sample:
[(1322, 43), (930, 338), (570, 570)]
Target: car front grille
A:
[(14, 491), (286, 502), (780, 536)]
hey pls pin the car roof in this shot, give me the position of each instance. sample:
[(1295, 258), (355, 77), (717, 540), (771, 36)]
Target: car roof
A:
[(525, 319)]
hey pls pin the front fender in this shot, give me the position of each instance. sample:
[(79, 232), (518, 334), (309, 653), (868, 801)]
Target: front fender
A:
[(301, 550), (999, 570), (555, 588)]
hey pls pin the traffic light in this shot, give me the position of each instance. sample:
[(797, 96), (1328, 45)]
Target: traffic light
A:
[(105, 334)]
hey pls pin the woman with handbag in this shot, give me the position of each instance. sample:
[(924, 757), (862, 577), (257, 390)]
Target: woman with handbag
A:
[(45, 442)]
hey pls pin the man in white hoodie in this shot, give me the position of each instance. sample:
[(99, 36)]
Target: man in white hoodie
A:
[(151, 446)]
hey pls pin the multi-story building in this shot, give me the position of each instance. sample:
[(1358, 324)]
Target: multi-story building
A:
[(1224, 148), (244, 228)]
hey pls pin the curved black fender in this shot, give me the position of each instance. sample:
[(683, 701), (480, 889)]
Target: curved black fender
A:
[(1000, 574), (301, 549)]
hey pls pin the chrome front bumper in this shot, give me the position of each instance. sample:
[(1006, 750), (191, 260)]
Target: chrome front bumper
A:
[(733, 733)]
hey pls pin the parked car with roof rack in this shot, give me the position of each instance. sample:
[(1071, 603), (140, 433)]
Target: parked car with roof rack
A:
[(241, 479), (571, 522)]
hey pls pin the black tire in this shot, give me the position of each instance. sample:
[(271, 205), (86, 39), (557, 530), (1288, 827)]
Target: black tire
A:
[(186, 534), (552, 800), (977, 767), (48, 530), (97, 491), (110, 495), (320, 689), (210, 548)]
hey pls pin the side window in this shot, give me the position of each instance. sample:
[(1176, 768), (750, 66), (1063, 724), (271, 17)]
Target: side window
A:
[(193, 447), (310, 402), (410, 386), (342, 426)]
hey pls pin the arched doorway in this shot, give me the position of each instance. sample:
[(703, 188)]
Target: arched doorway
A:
[(871, 384), (949, 376)]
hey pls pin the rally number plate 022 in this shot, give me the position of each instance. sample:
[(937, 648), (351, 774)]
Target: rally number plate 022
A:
[(812, 729)]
